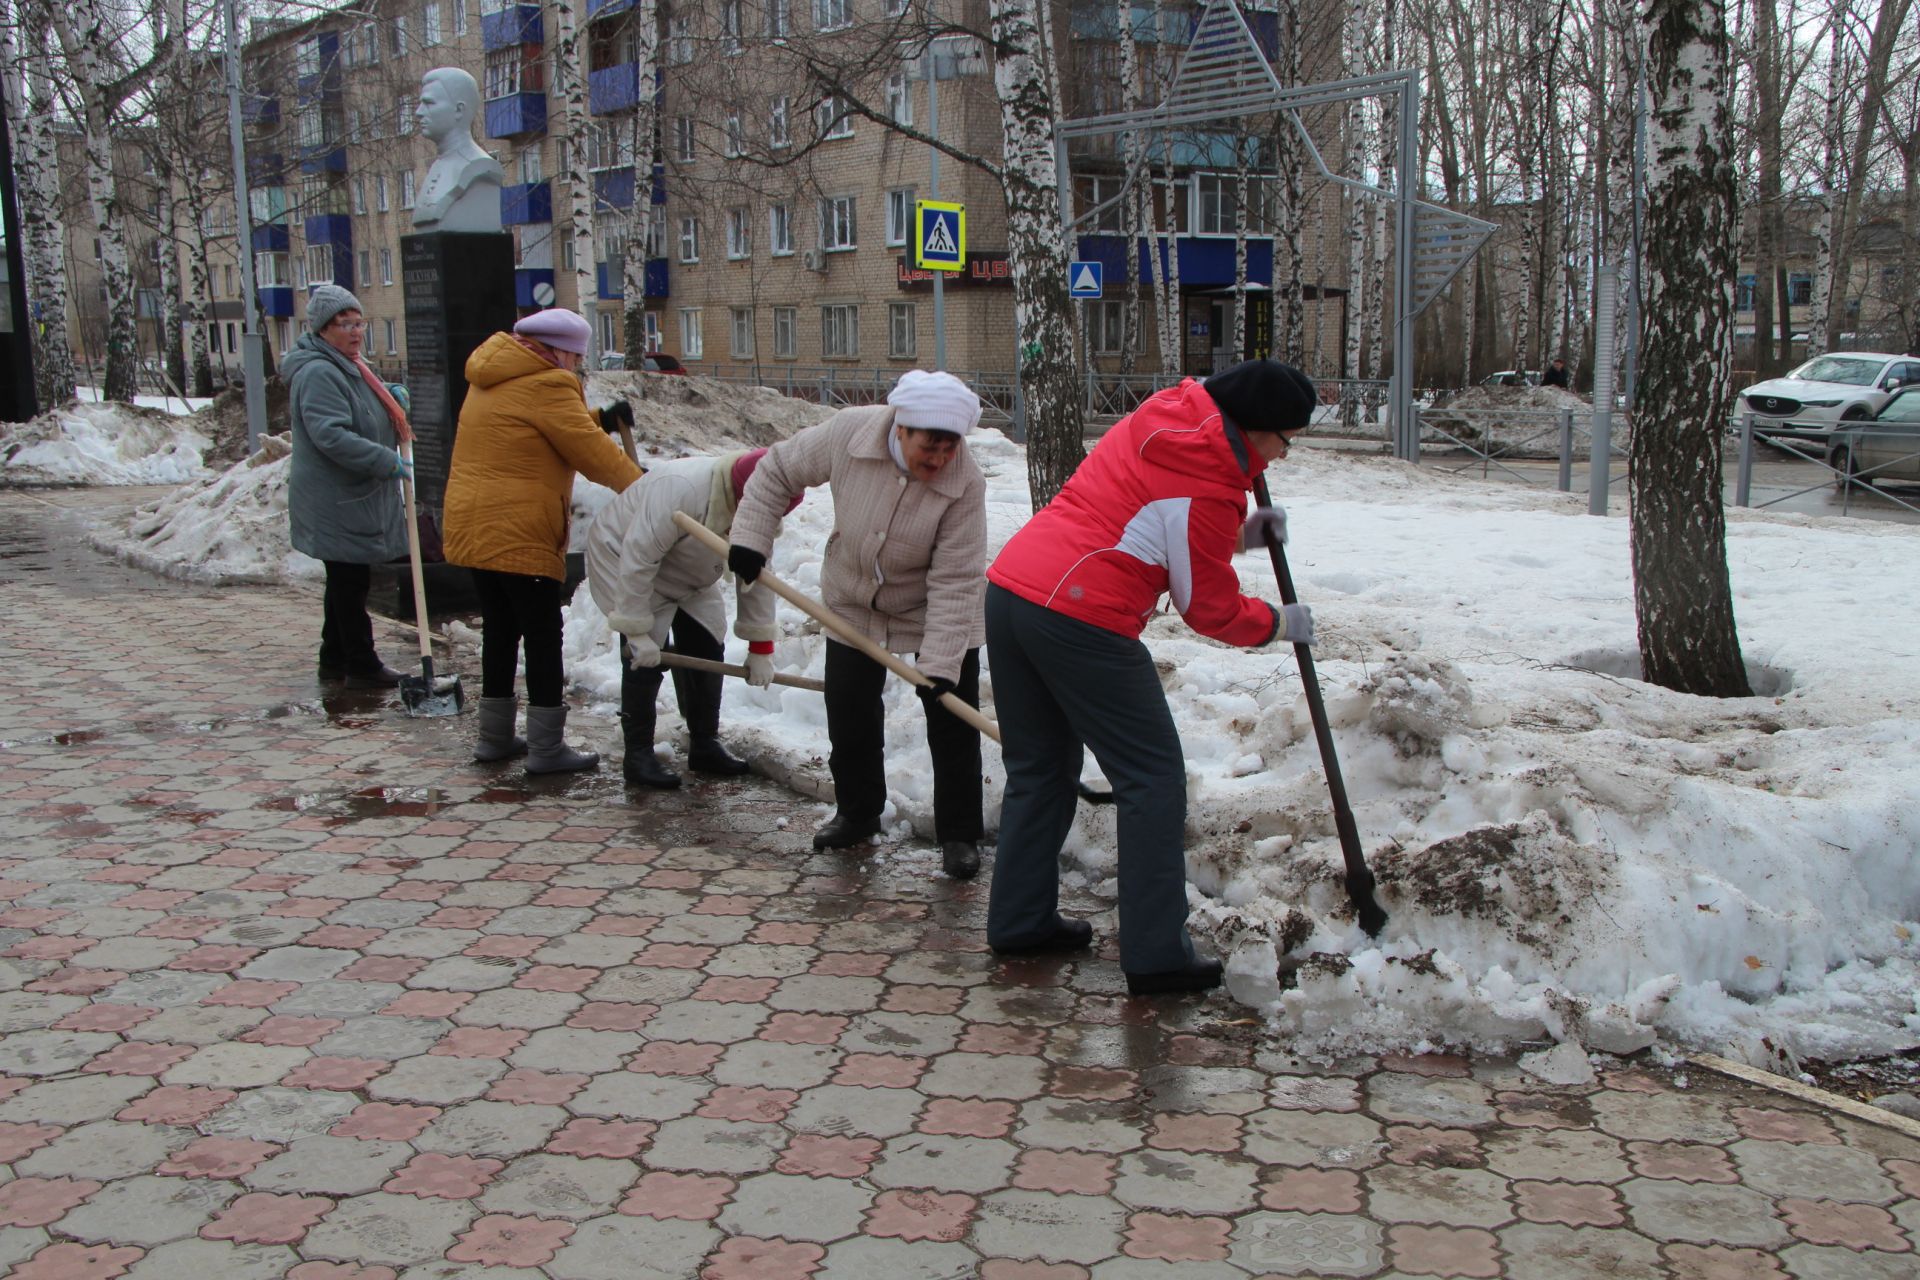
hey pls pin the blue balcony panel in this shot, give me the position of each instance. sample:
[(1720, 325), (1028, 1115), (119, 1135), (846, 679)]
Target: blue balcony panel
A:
[(606, 8), (1206, 262), (656, 278), (330, 228), (271, 238), (614, 188), (608, 287), (265, 168), (259, 109), (517, 114), (516, 24), (615, 88), (659, 184), (276, 302), (525, 279), (328, 157), (525, 203)]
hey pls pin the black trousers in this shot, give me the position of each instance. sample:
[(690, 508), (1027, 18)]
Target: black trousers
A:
[(698, 692), (519, 609), (346, 632), (857, 730)]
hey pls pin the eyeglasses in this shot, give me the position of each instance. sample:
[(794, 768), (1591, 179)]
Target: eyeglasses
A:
[(350, 326)]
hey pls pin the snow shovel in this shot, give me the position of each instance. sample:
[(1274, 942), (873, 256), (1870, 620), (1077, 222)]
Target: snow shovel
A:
[(851, 635), (690, 663), (1360, 883), (424, 694)]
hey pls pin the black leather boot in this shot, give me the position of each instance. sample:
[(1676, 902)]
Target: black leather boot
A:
[(1199, 975), (960, 859), (638, 765), (844, 832), (698, 693)]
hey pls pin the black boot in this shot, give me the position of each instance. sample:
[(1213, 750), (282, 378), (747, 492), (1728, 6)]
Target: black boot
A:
[(698, 693), (960, 859), (1196, 975), (844, 832), (1067, 934), (638, 765)]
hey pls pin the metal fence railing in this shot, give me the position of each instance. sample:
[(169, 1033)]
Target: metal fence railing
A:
[(1838, 463)]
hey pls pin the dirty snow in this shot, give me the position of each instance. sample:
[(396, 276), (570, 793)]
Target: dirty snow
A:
[(1566, 853), (84, 443)]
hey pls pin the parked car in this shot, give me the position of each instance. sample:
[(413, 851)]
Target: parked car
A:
[(612, 360), (1511, 378), (1840, 386), (661, 362), (1885, 447)]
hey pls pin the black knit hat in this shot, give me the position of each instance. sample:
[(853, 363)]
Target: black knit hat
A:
[(1264, 395)]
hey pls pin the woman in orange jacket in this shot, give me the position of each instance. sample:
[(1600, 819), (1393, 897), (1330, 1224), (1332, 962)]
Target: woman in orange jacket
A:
[(525, 430)]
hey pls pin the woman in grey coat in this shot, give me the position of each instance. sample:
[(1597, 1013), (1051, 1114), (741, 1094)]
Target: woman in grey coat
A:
[(342, 502)]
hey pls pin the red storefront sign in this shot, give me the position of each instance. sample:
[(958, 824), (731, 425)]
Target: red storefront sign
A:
[(981, 269)]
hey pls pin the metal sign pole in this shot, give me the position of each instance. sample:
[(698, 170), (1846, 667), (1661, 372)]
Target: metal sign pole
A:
[(1406, 434), (1600, 461), (253, 356), (933, 182)]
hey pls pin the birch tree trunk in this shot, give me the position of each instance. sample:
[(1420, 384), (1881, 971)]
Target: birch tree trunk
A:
[(173, 356), (1832, 136), (1357, 212), (37, 188), (1027, 85), (1891, 21), (1682, 594), (645, 146), (570, 91), (1237, 349), (1131, 205), (1290, 160), (1173, 359), (1769, 62)]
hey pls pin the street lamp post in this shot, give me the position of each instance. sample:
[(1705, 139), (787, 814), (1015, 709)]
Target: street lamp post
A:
[(253, 356)]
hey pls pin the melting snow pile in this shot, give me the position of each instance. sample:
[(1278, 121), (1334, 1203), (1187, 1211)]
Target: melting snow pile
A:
[(229, 527), (102, 444)]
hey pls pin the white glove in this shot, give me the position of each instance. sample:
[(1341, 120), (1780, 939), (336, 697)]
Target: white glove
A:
[(1253, 533), (642, 652), (1297, 620), (759, 670)]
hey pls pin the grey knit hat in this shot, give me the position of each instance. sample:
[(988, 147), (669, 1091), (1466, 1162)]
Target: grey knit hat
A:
[(327, 301)]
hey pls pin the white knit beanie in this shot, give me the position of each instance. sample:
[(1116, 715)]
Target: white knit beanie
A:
[(934, 402), (327, 301)]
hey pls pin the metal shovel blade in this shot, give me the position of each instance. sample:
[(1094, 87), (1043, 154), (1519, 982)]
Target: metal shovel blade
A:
[(424, 695)]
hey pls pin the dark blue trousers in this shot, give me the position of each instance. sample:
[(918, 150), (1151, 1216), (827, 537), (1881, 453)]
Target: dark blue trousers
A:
[(1061, 685)]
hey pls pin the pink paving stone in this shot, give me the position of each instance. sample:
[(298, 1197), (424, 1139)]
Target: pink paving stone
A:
[(1718, 1262), (177, 1104), (79, 1262), (748, 1103), (1854, 1226), (261, 1217), (1064, 1173), (292, 1031), (584, 835), (306, 909), (967, 1117), (920, 1215), (669, 878), (1768, 1125), (18, 1140), (427, 1004), (675, 1058), (823, 1156), (459, 917), (140, 1059), (908, 998), (1194, 1131), (1201, 1051), (1445, 1251), (31, 917), (342, 1074), (989, 1037), (1541, 1110), (1101, 1084), (485, 849), (1907, 1174), (694, 1197), (557, 977), (621, 926), (50, 948), (1176, 1237), (728, 990), (1572, 1204), (569, 897), (726, 904), (213, 959), (342, 936), (879, 1071), (785, 933), (251, 993), (444, 1177), (36, 1202), (382, 969), (1312, 1191), (77, 982), (416, 891), (674, 955), (506, 946), (524, 872), (479, 1042), (620, 1139), (217, 1158), (503, 1240), (387, 1121), (1441, 1148), (890, 912), (803, 1028), (625, 857), (851, 964), (266, 883), (1005, 1269), (153, 899), (1681, 1162), (550, 1088), (1426, 1064), (752, 1258), (612, 1015), (348, 844)]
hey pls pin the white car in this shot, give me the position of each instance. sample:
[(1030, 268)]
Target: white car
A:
[(1840, 386)]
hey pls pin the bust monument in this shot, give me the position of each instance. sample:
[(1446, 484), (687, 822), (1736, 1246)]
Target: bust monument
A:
[(462, 190)]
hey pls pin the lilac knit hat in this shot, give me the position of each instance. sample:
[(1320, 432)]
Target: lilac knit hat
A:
[(559, 328)]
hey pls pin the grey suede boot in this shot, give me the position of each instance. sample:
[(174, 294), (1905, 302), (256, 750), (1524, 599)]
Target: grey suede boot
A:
[(547, 752), (497, 738)]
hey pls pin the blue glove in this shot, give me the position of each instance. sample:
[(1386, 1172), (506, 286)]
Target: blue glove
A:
[(402, 469), (400, 397)]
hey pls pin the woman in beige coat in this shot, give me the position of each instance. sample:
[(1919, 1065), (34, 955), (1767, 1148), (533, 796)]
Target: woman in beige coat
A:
[(906, 565)]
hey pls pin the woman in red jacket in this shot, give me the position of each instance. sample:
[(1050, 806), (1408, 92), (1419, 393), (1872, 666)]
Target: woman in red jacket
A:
[(1159, 507)]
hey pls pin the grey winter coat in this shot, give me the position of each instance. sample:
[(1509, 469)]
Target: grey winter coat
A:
[(342, 499)]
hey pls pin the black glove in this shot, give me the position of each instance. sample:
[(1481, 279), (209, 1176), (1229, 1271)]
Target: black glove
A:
[(930, 691), (616, 415), (745, 562)]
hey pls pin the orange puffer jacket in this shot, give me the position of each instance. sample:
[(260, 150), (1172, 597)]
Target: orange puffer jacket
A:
[(524, 431)]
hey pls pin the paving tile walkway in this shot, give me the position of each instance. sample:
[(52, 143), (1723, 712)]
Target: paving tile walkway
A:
[(289, 988)]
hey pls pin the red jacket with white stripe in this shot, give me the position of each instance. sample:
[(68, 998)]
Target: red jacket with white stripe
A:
[(1156, 508)]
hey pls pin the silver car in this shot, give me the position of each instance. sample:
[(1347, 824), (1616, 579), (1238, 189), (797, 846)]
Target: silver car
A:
[(1840, 386), (1885, 448)]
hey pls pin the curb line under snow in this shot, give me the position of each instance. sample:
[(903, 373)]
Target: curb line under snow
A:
[(126, 550), (1807, 1093)]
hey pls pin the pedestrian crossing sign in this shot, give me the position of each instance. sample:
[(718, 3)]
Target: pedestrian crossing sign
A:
[(939, 236)]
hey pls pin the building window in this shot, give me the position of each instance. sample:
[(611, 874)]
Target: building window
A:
[(399, 42), (406, 188), (319, 264), (689, 239), (683, 139), (1093, 190), (831, 118), (393, 345), (735, 143), (656, 238), (785, 322), (1743, 292), (779, 131), (359, 195), (607, 334), (369, 45), (896, 7), (230, 337), (831, 15), (306, 58), (740, 331), (739, 232), (403, 116), (353, 125), (229, 276), (459, 17), (899, 215), (1216, 204), (839, 331), (503, 73), (366, 266), (568, 262), (779, 20), (386, 266), (380, 192), (902, 344), (1800, 290), (837, 228), (692, 339), (1106, 319), (679, 40), (530, 167), (608, 147), (899, 99), (780, 230), (430, 23), (730, 26)]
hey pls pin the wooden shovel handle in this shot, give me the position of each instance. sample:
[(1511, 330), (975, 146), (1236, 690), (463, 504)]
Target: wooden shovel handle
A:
[(838, 626), (691, 663)]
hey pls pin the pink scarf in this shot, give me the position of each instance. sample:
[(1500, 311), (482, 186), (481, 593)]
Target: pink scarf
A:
[(402, 429)]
